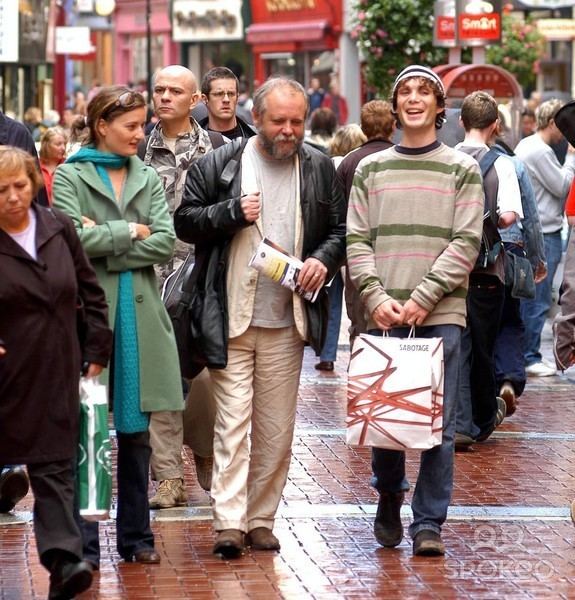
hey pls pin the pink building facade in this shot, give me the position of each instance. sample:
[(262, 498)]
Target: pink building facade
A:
[(130, 40)]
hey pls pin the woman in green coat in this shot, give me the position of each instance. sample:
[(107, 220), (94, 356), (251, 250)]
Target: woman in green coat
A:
[(120, 213)]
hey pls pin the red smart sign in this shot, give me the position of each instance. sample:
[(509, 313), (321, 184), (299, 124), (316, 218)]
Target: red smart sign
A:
[(445, 28), (478, 22)]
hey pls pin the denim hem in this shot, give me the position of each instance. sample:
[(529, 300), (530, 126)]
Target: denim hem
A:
[(413, 531)]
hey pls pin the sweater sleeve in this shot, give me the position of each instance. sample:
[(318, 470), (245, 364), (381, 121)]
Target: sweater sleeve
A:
[(360, 245), (452, 267)]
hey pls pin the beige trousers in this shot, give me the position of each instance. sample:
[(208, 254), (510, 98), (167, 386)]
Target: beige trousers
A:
[(194, 427), (258, 388)]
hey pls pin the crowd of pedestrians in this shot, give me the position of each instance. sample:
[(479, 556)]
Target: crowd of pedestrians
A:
[(421, 234)]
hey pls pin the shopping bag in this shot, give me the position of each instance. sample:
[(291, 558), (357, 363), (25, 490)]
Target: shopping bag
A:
[(94, 452), (395, 392)]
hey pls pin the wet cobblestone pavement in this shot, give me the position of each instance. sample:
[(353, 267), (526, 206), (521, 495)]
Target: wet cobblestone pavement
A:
[(508, 534)]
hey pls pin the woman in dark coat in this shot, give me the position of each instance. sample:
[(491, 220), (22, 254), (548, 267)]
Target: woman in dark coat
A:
[(44, 273)]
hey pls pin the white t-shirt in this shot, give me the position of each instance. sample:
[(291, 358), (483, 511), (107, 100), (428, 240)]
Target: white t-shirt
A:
[(276, 180), (508, 194), (27, 238)]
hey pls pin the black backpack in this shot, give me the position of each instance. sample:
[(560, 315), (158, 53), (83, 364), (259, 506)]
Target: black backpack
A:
[(491, 244)]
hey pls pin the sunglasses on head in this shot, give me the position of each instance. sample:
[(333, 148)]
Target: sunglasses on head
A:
[(127, 99)]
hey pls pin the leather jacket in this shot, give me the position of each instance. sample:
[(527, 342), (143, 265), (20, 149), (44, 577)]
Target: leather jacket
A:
[(209, 216)]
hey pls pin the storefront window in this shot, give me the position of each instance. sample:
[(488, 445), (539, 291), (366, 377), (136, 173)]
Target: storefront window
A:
[(139, 48)]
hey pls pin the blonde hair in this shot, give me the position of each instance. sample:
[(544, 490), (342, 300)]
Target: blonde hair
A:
[(14, 160), (48, 136), (346, 139), (546, 112)]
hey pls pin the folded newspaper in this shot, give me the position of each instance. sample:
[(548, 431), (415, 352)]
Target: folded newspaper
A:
[(274, 262)]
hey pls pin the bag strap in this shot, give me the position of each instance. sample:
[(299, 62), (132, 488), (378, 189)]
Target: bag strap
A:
[(487, 161), (232, 167)]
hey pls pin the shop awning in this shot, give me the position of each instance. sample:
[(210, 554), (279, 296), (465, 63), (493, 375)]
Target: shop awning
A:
[(292, 31)]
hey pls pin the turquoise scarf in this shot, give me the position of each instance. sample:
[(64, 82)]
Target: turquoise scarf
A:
[(128, 418)]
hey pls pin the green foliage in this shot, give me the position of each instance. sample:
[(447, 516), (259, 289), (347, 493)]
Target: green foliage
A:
[(520, 51), (393, 34)]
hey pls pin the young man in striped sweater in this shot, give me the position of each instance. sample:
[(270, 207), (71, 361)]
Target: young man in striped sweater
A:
[(413, 234)]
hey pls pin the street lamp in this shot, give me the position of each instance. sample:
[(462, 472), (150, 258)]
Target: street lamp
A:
[(104, 8)]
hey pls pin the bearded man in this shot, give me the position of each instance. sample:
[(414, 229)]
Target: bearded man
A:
[(251, 331)]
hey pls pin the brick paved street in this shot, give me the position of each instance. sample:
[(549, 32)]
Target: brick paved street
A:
[(508, 535)]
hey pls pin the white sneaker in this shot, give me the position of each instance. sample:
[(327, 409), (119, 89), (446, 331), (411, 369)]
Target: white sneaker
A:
[(540, 369), (549, 364)]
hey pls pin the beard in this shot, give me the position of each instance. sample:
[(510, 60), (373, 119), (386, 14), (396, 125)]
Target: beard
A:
[(272, 146)]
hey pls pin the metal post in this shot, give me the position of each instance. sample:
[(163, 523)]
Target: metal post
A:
[(149, 50)]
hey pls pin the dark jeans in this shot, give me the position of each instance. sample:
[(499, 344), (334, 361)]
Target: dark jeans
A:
[(509, 358), (435, 479), (335, 294), (133, 531), (477, 404)]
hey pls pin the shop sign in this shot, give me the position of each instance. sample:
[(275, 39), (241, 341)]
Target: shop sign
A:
[(550, 4), (444, 23), (557, 29), (9, 31), (478, 22), (283, 5), (207, 20), (74, 40)]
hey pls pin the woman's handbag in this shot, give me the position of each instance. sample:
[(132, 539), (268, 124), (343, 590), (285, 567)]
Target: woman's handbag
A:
[(94, 472), (395, 392)]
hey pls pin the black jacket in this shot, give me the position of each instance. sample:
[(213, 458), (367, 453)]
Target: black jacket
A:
[(14, 133), (246, 129), (209, 216)]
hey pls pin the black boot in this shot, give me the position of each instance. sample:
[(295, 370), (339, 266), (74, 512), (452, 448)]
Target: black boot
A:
[(68, 578), (387, 527)]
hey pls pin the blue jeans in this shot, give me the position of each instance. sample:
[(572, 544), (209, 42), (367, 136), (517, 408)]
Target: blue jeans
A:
[(435, 480), (534, 312), (335, 294)]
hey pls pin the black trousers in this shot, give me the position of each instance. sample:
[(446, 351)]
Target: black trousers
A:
[(133, 531), (484, 308), (55, 527)]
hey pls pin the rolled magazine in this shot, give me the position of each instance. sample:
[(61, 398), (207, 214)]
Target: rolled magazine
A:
[(280, 266)]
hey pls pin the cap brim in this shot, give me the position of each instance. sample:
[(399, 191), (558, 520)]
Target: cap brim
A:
[(565, 121)]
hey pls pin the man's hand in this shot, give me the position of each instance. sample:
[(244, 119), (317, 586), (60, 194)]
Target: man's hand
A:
[(312, 275), (142, 231), (94, 370), (250, 204), (413, 313), (540, 272), (388, 314)]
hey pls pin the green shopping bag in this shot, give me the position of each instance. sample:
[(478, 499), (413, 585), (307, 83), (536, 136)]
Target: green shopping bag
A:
[(94, 452)]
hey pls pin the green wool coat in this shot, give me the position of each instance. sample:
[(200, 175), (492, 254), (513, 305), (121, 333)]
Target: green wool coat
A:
[(79, 191)]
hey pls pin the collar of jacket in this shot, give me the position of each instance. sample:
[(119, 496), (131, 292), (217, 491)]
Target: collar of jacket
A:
[(47, 226), (135, 179)]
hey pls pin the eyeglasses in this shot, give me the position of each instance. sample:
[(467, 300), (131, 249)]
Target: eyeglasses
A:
[(127, 99), (220, 95)]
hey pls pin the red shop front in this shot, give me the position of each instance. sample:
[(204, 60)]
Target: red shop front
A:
[(294, 38)]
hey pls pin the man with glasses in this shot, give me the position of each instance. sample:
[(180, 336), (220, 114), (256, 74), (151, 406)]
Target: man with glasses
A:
[(220, 92)]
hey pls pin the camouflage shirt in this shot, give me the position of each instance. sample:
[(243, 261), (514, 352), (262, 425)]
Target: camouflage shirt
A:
[(173, 168)]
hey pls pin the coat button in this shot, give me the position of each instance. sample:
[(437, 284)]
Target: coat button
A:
[(139, 298)]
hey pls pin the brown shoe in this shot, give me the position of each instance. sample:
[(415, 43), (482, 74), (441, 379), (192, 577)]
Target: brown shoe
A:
[(204, 467), (325, 365), (507, 392), (262, 538), (147, 557), (229, 543), (170, 493)]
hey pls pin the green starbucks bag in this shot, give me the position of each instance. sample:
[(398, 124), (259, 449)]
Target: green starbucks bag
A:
[(94, 452)]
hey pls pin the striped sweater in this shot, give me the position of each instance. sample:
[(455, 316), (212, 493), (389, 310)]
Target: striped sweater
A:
[(413, 230)]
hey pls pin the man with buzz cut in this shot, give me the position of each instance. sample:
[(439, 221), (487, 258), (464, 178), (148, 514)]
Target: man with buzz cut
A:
[(174, 144), (220, 93), (413, 234)]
